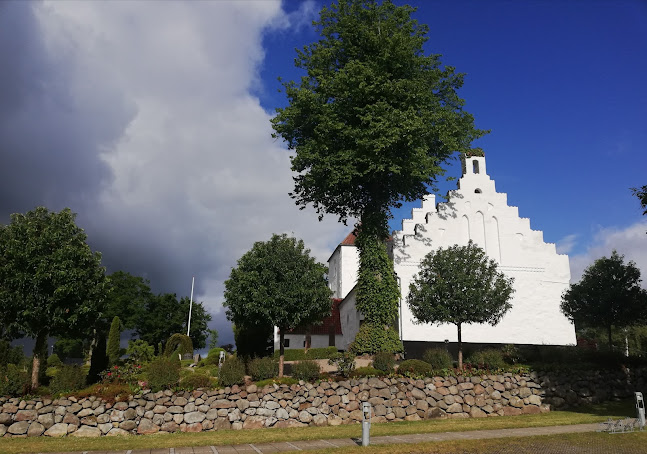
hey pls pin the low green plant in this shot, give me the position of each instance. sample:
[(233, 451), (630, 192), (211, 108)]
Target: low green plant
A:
[(13, 381), (195, 381), (384, 362), (278, 381), (298, 354), (438, 358), (263, 368), (366, 372), (54, 361), (140, 352), (415, 368), (67, 380), (212, 357), (232, 372), (128, 374), (345, 363), (163, 373), (490, 359), (306, 370), (110, 392)]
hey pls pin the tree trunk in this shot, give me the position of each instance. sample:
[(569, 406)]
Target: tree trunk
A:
[(39, 349), (610, 342), (281, 351), (460, 348)]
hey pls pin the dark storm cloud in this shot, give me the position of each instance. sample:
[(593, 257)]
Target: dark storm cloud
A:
[(50, 136)]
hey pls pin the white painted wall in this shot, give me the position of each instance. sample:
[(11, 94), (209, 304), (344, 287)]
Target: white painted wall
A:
[(316, 341), (476, 211), (343, 265), (350, 319)]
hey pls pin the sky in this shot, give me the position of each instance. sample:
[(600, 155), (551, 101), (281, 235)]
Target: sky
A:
[(150, 120)]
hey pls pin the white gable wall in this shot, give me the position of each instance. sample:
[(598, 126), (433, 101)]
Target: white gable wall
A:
[(477, 212)]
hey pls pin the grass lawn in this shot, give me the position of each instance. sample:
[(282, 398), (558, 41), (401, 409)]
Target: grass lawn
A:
[(228, 437)]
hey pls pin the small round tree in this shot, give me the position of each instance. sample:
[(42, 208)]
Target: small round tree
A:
[(608, 295), (277, 282), (459, 285)]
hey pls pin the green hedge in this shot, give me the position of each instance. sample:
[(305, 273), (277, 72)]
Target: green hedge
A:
[(415, 367), (298, 354)]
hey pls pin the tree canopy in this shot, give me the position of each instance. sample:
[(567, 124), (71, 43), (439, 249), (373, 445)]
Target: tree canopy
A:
[(608, 295), (459, 285), (164, 316), (277, 283), (374, 118), (50, 280)]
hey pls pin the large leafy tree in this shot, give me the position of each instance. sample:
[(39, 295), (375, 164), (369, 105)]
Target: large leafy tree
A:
[(277, 283), (128, 299), (164, 316), (372, 121), (608, 295), (459, 285), (49, 278)]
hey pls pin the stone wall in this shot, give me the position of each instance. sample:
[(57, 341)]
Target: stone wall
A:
[(571, 388), (321, 404)]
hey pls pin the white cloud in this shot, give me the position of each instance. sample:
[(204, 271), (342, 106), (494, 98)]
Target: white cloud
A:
[(197, 177), (566, 244), (630, 242)]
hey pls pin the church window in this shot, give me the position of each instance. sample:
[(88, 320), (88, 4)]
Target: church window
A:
[(475, 166), (286, 343)]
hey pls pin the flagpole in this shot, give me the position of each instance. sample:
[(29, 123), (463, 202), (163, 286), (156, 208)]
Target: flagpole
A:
[(188, 328)]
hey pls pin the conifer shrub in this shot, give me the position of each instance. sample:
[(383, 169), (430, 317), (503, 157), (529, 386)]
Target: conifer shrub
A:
[(438, 358), (163, 373), (68, 379), (263, 368), (306, 370), (384, 362), (487, 359), (366, 372), (54, 361), (113, 349), (232, 372), (140, 352), (415, 367), (212, 357)]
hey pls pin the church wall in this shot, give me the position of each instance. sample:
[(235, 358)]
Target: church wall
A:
[(477, 212), (350, 319)]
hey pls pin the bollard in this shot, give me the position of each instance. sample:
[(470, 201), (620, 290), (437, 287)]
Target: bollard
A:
[(366, 423), (640, 407)]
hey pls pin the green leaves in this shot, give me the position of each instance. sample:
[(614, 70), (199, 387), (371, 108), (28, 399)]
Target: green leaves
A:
[(277, 282), (459, 285), (374, 118), (608, 294)]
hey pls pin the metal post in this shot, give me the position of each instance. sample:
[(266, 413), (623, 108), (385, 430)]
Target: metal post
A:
[(640, 407), (366, 423)]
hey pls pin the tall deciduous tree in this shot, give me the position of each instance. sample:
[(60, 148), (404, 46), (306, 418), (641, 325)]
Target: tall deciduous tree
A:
[(608, 295), (459, 285), (164, 316), (277, 283), (373, 120), (55, 283)]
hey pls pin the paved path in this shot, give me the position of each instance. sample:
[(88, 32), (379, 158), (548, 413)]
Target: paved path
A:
[(263, 448)]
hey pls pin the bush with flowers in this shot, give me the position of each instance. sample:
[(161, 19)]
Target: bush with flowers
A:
[(129, 374)]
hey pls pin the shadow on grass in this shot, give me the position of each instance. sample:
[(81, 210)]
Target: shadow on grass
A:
[(619, 408)]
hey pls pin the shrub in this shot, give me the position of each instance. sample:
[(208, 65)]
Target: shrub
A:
[(13, 381), (9, 354), (232, 372), (54, 361), (263, 368), (415, 367), (178, 343), (384, 362), (366, 372), (111, 392), (345, 363), (487, 359), (163, 373), (213, 356), (306, 370), (195, 381), (438, 358), (372, 339), (128, 374), (140, 352), (112, 349), (67, 380), (279, 381), (298, 354)]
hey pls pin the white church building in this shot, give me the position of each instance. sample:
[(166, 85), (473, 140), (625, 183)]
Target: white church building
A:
[(475, 211)]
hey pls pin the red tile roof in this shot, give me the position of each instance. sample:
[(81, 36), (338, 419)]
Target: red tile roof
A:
[(333, 321), (350, 239)]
